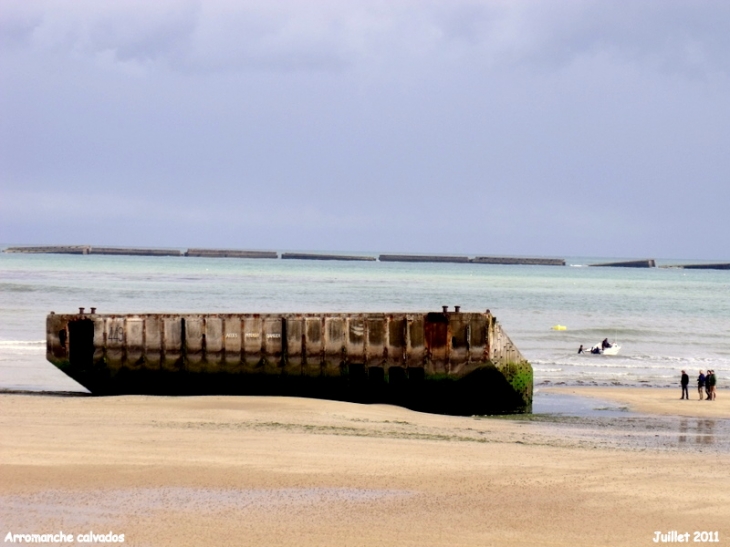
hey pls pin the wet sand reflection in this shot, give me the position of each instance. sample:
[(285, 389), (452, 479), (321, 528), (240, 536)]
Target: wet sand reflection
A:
[(697, 431)]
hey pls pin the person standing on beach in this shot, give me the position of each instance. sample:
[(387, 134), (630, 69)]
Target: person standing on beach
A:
[(711, 381), (701, 383), (708, 388), (685, 384)]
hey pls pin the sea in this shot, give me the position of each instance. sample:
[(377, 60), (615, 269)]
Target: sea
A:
[(665, 320)]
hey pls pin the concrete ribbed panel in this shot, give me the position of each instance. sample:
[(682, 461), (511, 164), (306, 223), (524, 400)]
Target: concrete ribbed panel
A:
[(437, 335), (271, 350), (232, 326), (335, 345), (314, 356), (376, 340), (355, 339), (252, 343), (213, 338), (295, 329), (99, 338), (172, 332), (416, 341), (397, 335), (193, 345), (153, 341), (459, 342), (478, 336), (115, 342), (134, 344)]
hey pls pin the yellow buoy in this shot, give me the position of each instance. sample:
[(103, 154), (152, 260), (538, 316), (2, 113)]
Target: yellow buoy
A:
[(560, 327)]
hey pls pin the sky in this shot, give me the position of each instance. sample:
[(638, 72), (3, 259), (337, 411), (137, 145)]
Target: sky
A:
[(525, 128)]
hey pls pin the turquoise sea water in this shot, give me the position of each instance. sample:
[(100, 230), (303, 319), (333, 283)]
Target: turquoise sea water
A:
[(664, 319)]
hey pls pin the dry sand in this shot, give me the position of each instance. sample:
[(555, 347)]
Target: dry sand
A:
[(281, 471)]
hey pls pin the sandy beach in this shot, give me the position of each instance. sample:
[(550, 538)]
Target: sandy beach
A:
[(661, 401), (283, 471)]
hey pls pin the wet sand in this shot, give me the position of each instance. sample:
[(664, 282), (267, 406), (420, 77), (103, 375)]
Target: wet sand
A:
[(283, 471), (660, 401)]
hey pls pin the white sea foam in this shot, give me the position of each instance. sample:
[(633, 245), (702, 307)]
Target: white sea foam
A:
[(9, 348)]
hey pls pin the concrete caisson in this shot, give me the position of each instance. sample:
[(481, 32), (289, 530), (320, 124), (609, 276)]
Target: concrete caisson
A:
[(648, 263), (444, 362)]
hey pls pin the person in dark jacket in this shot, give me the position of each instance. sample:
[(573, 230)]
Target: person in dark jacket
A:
[(708, 388), (701, 383), (711, 382), (685, 384)]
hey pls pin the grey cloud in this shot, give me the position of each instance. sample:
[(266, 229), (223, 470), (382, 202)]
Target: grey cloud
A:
[(144, 37), (222, 35), (551, 127), (181, 35), (17, 26), (689, 37), (674, 36)]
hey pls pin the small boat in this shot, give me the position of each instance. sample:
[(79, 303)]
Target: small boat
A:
[(613, 349)]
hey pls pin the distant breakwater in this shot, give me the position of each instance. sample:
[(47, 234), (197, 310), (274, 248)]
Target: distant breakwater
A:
[(240, 253)]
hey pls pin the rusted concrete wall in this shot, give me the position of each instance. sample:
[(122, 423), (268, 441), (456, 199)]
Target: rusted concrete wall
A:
[(103, 352)]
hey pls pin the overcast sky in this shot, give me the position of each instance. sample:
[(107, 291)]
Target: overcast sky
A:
[(551, 128)]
